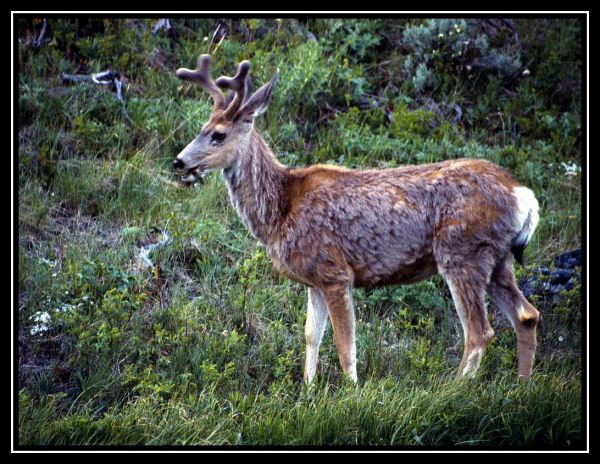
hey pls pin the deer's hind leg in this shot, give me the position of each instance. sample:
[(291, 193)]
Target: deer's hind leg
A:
[(522, 315), (341, 312), (468, 274), (469, 299)]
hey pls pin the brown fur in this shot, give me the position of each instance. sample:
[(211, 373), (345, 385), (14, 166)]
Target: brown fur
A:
[(333, 229)]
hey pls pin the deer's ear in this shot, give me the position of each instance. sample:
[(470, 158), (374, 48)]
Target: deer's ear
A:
[(257, 104)]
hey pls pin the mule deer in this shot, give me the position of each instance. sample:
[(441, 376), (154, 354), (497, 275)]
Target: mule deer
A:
[(333, 228)]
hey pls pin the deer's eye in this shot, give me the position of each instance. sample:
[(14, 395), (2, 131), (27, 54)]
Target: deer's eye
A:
[(217, 136)]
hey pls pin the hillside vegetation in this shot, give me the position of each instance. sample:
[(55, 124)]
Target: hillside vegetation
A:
[(202, 343)]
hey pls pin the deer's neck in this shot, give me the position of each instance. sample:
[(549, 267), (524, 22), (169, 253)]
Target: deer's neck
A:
[(256, 182)]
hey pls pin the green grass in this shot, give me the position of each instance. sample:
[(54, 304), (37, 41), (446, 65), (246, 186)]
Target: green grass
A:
[(207, 347), (379, 412)]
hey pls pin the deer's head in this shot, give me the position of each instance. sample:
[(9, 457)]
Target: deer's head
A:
[(229, 125)]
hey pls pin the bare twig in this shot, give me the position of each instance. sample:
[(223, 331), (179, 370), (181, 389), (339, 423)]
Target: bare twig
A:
[(41, 39), (103, 78), (212, 40), (76, 77), (163, 23)]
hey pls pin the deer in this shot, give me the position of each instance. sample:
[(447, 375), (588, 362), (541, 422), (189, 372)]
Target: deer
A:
[(333, 228)]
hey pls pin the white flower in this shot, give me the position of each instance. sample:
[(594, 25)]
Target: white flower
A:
[(38, 329), (560, 338), (571, 169), (43, 319), (67, 308)]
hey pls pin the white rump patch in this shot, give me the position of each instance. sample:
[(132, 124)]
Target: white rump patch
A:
[(527, 216)]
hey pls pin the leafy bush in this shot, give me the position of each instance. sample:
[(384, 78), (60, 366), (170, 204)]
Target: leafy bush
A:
[(445, 48)]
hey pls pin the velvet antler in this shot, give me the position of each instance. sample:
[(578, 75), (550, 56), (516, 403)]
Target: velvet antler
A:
[(201, 75), (239, 84)]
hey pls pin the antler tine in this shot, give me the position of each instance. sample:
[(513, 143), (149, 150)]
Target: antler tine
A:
[(201, 76), (238, 84)]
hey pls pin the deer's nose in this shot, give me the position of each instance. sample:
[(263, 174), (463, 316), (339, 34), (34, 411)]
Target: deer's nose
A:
[(178, 164)]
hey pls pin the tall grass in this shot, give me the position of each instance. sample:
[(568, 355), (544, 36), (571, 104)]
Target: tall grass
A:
[(387, 411)]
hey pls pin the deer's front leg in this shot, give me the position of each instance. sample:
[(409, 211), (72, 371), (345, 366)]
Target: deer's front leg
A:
[(316, 320), (341, 313)]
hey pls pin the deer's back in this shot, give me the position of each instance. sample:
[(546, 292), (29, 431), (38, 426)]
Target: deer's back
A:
[(386, 224)]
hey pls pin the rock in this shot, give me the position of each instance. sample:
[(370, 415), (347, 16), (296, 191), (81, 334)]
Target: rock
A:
[(545, 282), (561, 276), (569, 260)]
